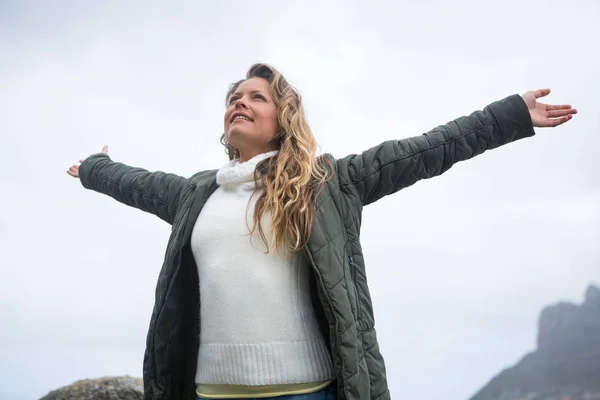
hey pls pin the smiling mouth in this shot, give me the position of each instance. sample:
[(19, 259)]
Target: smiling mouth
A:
[(241, 117)]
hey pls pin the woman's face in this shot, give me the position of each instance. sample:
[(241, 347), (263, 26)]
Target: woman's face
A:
[(251, 118)]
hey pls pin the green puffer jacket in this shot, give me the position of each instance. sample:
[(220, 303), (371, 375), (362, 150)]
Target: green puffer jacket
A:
[(339, 285)]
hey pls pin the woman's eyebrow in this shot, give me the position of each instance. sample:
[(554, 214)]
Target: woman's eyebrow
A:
[(237, 93)]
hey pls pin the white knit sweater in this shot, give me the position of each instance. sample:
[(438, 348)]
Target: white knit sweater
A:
[(257, 323)]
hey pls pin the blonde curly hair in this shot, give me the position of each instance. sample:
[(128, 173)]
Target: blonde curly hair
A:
[(292, 178)]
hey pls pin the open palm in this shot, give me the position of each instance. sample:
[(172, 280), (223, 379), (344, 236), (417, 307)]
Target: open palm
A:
[(74, 170), (547, 115)]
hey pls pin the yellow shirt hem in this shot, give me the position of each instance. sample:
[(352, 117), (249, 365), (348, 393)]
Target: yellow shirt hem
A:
[(245, 392)]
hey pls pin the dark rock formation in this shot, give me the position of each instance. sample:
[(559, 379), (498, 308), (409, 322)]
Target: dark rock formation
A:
[(566, 363), (117, 388), (592, 297), (566, 325)]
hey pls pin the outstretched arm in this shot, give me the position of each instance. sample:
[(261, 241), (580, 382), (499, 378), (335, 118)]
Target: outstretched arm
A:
[(155, 192), (394, 165)]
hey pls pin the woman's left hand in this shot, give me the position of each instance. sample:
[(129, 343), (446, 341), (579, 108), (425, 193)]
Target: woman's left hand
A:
[(546, 115)]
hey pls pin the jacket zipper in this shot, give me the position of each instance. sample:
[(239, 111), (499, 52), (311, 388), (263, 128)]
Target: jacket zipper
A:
[(353, 274), (339, 376)]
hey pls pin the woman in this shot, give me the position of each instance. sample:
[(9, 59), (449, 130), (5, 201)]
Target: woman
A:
[(263, 290)]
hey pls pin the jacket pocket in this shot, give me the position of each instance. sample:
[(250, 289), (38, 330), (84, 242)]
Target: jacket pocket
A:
[(354, 286)]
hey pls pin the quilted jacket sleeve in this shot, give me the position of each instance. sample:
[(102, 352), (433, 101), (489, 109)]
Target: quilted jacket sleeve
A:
[(155, 192), (394, 165)]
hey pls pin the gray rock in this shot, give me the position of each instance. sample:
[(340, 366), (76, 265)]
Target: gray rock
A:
[(592, 297), (568, 327), (566, 363), (107, 388)]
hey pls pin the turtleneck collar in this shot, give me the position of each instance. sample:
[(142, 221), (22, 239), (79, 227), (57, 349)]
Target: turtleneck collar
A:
[(238, 172)]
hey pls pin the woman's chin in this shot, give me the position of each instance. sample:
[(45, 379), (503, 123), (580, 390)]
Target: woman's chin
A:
[(237, 135)]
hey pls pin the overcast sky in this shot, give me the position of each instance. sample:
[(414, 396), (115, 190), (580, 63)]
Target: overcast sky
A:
[(459, 266)]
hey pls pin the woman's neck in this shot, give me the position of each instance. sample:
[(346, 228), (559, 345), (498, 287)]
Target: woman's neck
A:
[(248, 154)]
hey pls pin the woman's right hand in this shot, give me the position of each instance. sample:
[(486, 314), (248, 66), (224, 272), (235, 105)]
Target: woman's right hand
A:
[(74, 170)]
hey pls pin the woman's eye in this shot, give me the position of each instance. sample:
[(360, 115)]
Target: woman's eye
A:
[(233, 99)]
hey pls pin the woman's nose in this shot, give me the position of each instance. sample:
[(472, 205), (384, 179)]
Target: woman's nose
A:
[(240, 103)]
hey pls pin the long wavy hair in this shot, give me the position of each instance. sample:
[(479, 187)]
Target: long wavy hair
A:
[(291, 179)]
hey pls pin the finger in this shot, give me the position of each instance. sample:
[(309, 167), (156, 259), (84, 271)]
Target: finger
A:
[(541, 93), (105, 149), (561, 113), (557, 106), (556, 121)]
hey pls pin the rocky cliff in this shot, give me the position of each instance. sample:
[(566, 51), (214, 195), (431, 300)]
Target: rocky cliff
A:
[(566, 362)]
